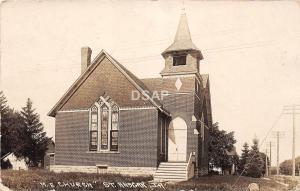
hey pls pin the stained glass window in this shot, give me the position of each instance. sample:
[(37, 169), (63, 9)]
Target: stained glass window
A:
[(104, 127), (114, 128), (94, 129)]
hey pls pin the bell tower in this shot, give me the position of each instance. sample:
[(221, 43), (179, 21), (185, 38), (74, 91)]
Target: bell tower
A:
[(182, 57)]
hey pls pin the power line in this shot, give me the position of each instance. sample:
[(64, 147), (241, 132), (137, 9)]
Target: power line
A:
[(159, 57)]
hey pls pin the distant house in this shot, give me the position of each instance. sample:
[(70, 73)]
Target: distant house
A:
[(49, 155), (17, 164), (109, 120), (232, 154)]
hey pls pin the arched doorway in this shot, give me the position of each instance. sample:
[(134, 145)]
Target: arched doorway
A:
[(177, 140)]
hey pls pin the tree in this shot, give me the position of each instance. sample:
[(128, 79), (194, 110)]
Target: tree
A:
[(244, 158), (3, 103), (10, 121), (10, 130), (254, 167), (35, 139), (221, 143), (286, 167), (5, 148)]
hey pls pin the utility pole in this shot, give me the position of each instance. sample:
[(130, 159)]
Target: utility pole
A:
[(270, 153), (269, 145), (278, 135), (294, 142), (277, 165), (292, 110), (0, 147), (267, 169)]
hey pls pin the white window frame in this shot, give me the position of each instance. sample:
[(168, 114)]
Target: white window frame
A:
[(103, 101), (118, 123), (90, 125)]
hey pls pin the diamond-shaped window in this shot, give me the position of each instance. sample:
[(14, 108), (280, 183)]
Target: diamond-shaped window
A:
[(178, 84)]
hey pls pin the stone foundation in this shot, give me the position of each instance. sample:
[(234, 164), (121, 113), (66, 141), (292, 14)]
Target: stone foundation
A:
[(131, 171), (65, 168)]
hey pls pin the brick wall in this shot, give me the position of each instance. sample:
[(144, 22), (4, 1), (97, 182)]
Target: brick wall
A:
[(105, 78), (192, 64), (182, 105), (137, 140)]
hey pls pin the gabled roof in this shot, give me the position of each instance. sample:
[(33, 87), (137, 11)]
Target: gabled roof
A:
[(183, 40), (138, 84)]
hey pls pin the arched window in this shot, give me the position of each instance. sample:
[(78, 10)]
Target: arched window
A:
[(104, 126), (114, 128), (94, 129)]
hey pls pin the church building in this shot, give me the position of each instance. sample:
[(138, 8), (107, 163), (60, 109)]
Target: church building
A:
[(102, 126)]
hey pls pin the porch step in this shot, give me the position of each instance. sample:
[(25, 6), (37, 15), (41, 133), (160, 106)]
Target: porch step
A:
[(171, 172), (172, 168)]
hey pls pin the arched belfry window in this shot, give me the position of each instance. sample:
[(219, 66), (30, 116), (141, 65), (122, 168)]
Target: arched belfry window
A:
[(104, 125), (179, 59)]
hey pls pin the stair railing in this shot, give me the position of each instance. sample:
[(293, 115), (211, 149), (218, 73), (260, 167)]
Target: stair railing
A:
[(190, 168)]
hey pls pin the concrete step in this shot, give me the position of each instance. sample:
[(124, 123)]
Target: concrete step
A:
[(171, 171), (169, 179), (172, 168), (170, 175), (173, 164)]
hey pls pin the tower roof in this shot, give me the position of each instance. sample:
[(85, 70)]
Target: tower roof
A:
[(183, 40)]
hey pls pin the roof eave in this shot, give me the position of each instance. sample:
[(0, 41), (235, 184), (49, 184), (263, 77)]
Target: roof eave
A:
[(55, 108), (78, 82)]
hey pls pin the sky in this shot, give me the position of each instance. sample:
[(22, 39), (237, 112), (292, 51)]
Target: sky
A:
[(251, 51)]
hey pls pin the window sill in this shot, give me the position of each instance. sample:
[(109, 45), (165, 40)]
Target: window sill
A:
[(104, 152)]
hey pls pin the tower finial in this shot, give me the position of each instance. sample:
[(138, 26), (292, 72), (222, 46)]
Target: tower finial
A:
[(183, 8)]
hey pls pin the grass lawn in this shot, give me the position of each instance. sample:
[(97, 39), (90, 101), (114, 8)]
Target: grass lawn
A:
[(45, 180)]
